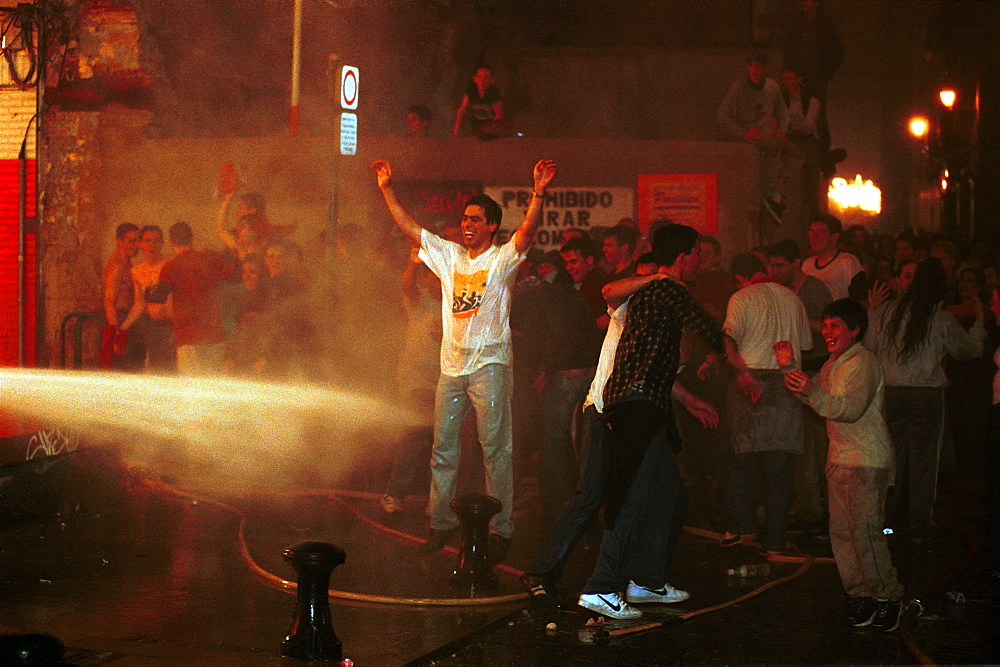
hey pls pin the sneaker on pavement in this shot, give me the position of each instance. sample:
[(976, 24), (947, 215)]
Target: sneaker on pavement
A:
[(887, 615), (774, 208), (608, 604), (861, 611), (666, 594), (541, 591), (731, 539), (391, 504)]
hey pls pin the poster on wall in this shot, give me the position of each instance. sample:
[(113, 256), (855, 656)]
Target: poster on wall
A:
[(687, 199), (565, 208)]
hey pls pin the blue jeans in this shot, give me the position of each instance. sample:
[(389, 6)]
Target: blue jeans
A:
[(487, 390), (563, 391), (641, 540), (591, 491)]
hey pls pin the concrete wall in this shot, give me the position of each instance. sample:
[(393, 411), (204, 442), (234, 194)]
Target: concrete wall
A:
[(583, 163)]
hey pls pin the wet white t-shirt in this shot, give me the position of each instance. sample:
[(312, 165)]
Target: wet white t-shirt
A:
[(475, 302)]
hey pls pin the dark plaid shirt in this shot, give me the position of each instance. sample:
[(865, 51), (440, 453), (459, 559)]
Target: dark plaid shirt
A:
[(649, 350)]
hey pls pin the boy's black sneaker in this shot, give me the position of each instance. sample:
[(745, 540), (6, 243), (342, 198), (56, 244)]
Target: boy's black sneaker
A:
[(861, 611), (541, 592), (887, 615)]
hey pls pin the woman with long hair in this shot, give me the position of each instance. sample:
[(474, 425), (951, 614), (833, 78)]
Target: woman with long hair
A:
[(911, 335)]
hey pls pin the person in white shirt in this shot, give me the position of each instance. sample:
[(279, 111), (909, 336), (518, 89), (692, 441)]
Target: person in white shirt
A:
[(841, 272), (476, 278), (760, 316)]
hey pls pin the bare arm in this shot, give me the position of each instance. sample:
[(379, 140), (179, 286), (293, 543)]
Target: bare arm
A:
[(617, 292), (138, 305), (406, 222), (224, 234), (110, 282), (703, 411), (544, 172), (410, 290), (498, 110), (460, 116)]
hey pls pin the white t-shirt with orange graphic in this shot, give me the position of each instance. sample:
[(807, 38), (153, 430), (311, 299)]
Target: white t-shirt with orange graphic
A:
[(475, 303)]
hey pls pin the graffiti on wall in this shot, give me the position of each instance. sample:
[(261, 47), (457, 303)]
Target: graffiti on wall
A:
[(50, 443)]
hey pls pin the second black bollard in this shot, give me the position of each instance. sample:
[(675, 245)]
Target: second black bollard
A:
[(473, 572), (312, 636)]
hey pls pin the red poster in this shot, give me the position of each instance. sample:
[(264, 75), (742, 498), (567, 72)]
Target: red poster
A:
[(687, 199)]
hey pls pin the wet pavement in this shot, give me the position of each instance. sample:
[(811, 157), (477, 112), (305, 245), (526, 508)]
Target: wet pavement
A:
[(128, 569)]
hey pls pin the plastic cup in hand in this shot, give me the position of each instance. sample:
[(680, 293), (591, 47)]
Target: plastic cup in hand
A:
[(784, 355)]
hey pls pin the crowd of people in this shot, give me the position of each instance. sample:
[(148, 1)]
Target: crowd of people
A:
[(852, 377), (243, 310), (826, 371)]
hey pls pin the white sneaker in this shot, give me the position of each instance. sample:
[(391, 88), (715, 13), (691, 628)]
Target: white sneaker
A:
[(637, 594), (609, 604)]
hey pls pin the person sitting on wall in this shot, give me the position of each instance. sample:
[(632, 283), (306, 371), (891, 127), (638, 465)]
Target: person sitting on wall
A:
[(754, 111), (483, 106), (418, 121)]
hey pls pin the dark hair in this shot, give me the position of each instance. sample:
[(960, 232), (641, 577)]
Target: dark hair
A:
[(124, 229), (853, 313), (582, 245), (646, 258), (254, 200), (552, 257), (832, 224), (757, 57), (746, 265), (917, 305), (671, 241), (181, 234), (492, 209), (624, 235), (150, 228), (712, 241), (421, 111), (898, 271), (787, 249)]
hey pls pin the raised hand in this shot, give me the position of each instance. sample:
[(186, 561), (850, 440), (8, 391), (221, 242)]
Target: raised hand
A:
[(545, 171), (877, 295), (383, 170)]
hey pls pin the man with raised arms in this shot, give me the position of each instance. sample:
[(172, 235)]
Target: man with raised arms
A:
[(476, 279)]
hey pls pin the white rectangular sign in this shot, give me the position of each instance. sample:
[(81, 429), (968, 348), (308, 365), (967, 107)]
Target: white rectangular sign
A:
[(565, 208), (348, 133), (348, 87)]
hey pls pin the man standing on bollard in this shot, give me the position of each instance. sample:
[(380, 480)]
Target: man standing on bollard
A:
[(475, 279)]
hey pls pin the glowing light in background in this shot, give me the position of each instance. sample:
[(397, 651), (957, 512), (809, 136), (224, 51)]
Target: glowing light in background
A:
[(857, 194), (947, 96), (919, 126)]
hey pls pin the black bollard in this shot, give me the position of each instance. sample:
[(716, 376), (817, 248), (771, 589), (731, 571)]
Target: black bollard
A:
[(31, 648), (473, 572), (312, 636)]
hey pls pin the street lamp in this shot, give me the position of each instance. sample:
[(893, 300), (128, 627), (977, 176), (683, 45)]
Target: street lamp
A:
[(947, 96), (919, 127)]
